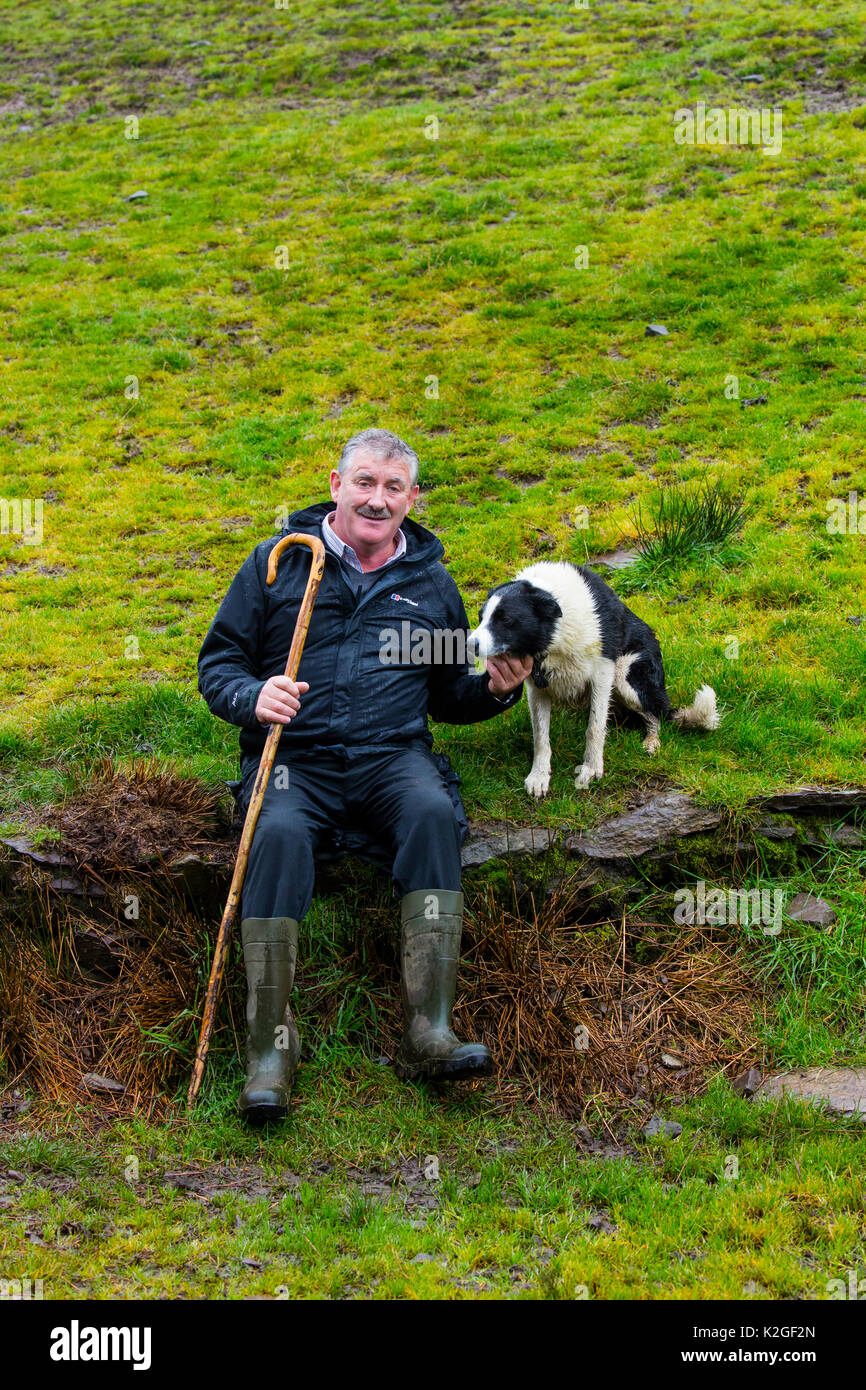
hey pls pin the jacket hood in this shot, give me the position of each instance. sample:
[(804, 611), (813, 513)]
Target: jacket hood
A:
[(421, 545)]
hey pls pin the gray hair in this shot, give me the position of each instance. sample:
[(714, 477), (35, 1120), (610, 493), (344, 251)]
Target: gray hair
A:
[(383, 443)]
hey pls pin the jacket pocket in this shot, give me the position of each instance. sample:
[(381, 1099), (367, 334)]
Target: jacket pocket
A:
[(391, 693)]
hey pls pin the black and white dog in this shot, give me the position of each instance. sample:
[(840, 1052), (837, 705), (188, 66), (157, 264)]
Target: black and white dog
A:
[(587, 648)]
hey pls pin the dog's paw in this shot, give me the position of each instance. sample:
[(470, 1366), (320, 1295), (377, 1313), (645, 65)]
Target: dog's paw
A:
[(652, 744), (537, 784), (584, 774)]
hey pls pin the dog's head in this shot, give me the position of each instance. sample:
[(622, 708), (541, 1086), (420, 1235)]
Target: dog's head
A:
[(517, 618)]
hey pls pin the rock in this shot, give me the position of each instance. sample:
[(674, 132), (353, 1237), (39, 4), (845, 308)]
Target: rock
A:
[(847, 836), (193, 873), (655, 330), (92, 1082), (21, 845), (772, 830), (657, 1125), (856, 619), (97, 950), (670, 1059), (497, 840), (616, 560), (422, 1258), (16, 1104), (600, 1221), (747, 1083), (841, 1089), (806, 799), (76, 887), (807, 908), (137, 197), (668, 816), (754, 400)]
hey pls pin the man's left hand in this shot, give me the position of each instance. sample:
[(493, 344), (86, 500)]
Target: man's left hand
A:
[(506, 673)]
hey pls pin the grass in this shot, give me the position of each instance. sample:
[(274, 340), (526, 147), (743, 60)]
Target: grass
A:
[(684, 522), (180, 372), (746, 1203), (407, 259)]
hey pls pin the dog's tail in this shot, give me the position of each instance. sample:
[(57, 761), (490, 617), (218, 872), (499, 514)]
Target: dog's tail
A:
[(703, 714)]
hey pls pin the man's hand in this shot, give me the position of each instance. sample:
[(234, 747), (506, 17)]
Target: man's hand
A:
[(506, 673), (279, 700)]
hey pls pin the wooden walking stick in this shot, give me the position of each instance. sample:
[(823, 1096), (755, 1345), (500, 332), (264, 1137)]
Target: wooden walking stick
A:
[(258, 795)]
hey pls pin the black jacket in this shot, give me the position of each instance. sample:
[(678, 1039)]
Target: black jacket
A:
[(354, 699)]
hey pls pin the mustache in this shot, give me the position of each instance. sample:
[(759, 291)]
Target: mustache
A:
[(370, 512)]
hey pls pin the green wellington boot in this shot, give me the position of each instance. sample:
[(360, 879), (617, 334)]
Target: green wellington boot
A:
[(273, 1045), (429, 952)]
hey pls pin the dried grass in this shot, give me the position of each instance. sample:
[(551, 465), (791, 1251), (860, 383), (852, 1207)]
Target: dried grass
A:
[(578, 1014), (118, 818)]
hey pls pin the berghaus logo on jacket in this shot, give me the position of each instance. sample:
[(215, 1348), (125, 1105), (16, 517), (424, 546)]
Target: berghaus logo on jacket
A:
[(398, 598)]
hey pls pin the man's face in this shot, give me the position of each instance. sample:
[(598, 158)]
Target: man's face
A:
[(373, 497)]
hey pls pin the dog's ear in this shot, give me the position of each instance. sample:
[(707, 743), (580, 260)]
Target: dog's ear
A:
[(545, 606), (546, 612)]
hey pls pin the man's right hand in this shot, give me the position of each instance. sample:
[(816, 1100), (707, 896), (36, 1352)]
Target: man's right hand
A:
[(279, 700)]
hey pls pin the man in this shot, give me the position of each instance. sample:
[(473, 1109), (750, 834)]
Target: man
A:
[(355, 752)]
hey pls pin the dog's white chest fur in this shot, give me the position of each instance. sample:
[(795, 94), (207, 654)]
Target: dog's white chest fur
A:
[(576, 644)]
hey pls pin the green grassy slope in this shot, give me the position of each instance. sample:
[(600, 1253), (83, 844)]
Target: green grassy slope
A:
[(743, 1205), (409, 258)]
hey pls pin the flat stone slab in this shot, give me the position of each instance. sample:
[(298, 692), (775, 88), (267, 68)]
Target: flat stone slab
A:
[(842, 1089), (775, 830), (648, 827), (24, 847), (847, 836), (801, 800), (616, 560), (665, 817), (496, 840), (805, 907), (671, 1129)]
